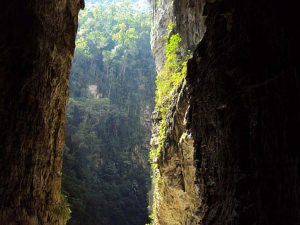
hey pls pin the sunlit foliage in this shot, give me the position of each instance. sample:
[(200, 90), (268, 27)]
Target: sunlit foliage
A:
[(167, 82), (105, 171)]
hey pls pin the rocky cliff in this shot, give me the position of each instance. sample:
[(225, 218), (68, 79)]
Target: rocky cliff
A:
[(230, 153), (36, 47)]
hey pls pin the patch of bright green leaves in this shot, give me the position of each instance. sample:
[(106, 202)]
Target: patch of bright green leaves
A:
[(167, 81), (65, 209)]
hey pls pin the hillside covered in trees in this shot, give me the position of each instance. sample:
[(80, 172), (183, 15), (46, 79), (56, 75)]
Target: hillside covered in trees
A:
[(106, 174)]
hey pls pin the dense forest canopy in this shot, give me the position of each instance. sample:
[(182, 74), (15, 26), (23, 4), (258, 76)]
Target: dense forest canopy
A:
[(106, 170)]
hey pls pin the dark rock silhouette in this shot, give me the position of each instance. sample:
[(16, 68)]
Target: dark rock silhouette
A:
[(37, 41), (231, 154), (234, 150)]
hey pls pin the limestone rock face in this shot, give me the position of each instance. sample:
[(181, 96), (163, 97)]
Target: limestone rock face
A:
[(231, 155), (177, 197), (36, 47), (187, 19)]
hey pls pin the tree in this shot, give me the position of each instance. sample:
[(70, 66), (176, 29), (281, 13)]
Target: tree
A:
[(106, 165)]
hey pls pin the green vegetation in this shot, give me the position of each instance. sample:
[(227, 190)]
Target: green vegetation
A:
[(167, 81), (65, 209), (173, 72), (106, 173)]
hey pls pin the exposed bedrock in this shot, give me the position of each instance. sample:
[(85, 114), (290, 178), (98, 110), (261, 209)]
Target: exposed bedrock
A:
[(232, 152), (36, 48), (231, 155)]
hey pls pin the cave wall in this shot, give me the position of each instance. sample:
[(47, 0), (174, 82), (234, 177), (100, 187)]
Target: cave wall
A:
[(176, 196), (37, 41), (231, 155)]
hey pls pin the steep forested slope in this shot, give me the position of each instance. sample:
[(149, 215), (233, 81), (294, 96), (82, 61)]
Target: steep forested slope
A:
[(106, 172)]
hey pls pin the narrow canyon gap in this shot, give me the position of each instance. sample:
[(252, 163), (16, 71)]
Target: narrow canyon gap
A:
[(106, 172), (230, 151)]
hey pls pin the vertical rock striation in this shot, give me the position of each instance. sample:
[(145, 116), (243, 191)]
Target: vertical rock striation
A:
[(36, 47), (188, 20), (231, 154), (176, 195)]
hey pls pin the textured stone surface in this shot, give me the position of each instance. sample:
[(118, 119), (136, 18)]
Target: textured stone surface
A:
[(36, 47), (245, 100), (238, 108), (177, 195), (188, 21), (235, 117)]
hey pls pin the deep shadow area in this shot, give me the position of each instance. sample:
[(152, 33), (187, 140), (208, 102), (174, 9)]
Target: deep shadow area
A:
[(245, 102), (37, 42), (237, 111)]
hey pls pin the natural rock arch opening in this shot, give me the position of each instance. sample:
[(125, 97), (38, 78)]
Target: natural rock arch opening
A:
[(243, 111)]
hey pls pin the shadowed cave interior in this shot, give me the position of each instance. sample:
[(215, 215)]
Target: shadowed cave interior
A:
[(224, 139)]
